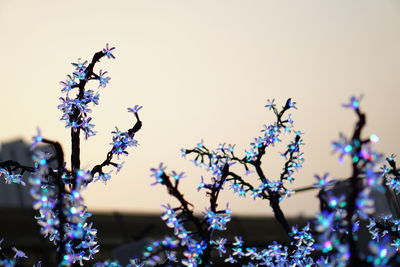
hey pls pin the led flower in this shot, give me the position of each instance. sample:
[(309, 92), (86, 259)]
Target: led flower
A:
[(354, 102), (220, 245), (108, 51), (36, 139), (218, 221), (230, 259), (201, 184), (80, 66), (322, 181), (80, 75), (19, 253), (270, 105), (121, 141), (365, 204), (396, 244), (87, 127), (170, 216), (177, 176), (135, 109), (381, 252), (91, 97), (291, 103), (158, 172), (103, 80), (119, 166), (135, 263), (103, 177), (12, 178), (238, 241), (68, 84)]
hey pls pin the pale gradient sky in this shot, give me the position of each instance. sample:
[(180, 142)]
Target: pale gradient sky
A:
[(203, 70)]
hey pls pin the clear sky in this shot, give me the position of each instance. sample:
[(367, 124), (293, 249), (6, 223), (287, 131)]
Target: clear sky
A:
[(203, 70)]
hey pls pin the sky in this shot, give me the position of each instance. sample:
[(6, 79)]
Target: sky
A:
[(203, 70)]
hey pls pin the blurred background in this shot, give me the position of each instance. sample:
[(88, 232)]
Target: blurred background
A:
[(203, 71)]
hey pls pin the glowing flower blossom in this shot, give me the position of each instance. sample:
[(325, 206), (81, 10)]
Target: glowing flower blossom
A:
[(108, 51)]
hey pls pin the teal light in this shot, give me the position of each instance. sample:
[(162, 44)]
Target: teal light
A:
[(348, 148), (383, 253)]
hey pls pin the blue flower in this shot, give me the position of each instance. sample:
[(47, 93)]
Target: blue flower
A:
[(103, 81), (80, 66), (271, 104), (68, 84), (36, 139), (322, 181), (354, 102), (88, 127), (158, 173), (108, 51), (135, 109), (80, 75), (19, 253), (177, 176), (121, 141)]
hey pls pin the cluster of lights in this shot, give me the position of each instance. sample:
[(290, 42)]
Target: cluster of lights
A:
[(218, 220), (298, 253), (63, 217), (215, 160), (75, 110), (79, 235), (193, 244), (391, 174), (218, 162), (121, 141), (19, 254), (329, 229), (331, 226), (11, 178)]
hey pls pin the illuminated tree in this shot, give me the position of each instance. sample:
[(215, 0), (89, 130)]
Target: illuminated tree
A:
[(328, 240), (56, 189)]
